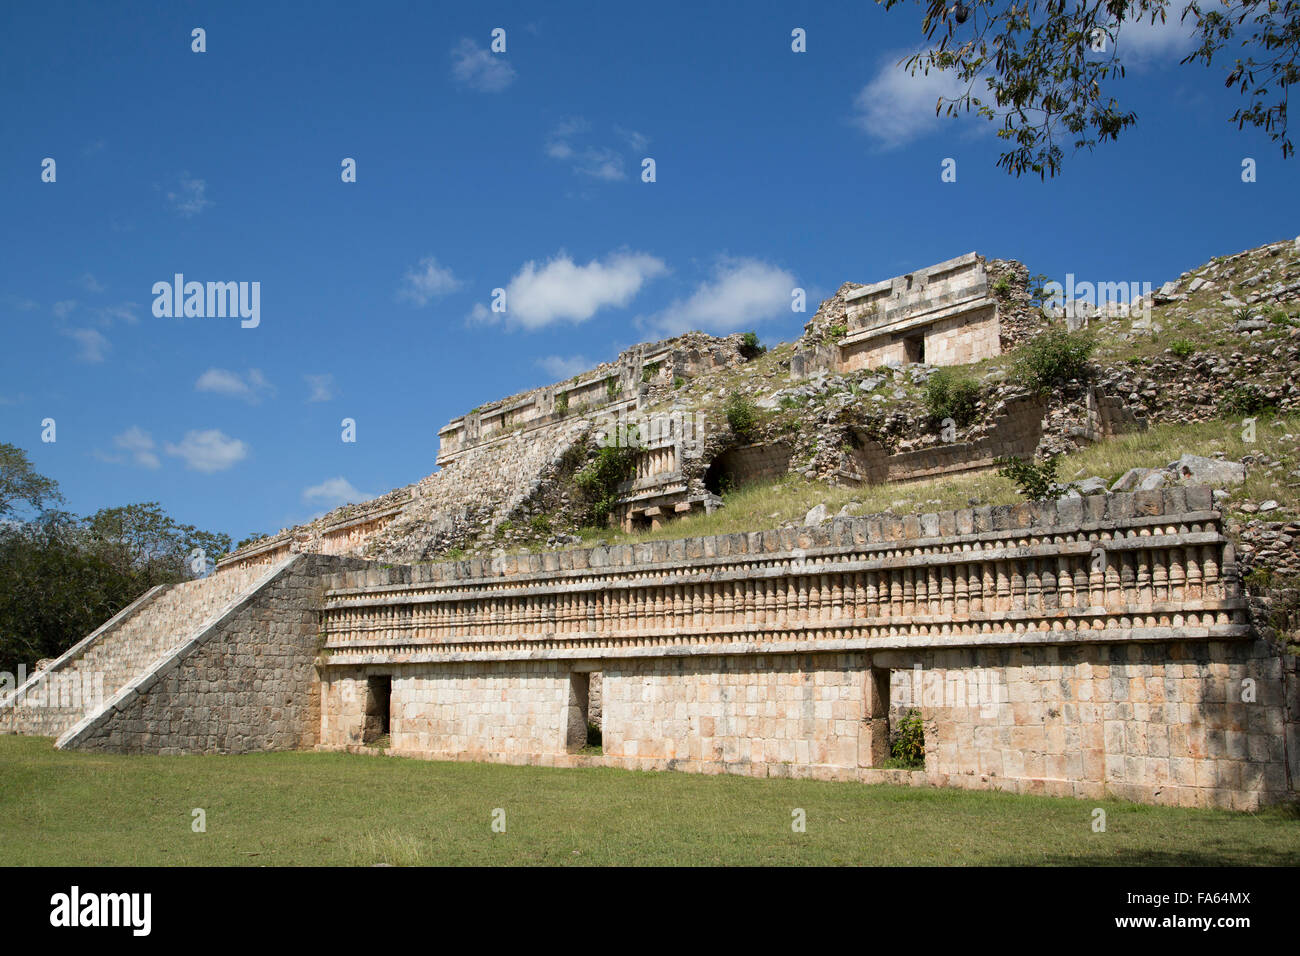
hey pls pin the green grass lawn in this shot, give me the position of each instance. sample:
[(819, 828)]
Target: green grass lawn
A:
[(319, 808)]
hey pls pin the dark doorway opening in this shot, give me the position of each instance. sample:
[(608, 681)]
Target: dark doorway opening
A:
[(575, 724), (914, 350), (379, 697), (719, 477)]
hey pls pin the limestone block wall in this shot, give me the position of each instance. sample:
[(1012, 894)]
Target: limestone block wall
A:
[(1109, 415), (963, 339), (653, 364), (345, 530), (460, 710), (946, 306), (804, 710), (930, 289), (244, 681), (1112, 629), (1194, 724), (748, 463), (1015, 432), (1120, 563)]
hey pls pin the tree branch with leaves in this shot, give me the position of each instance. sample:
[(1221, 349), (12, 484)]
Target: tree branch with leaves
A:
[(1043, 69)]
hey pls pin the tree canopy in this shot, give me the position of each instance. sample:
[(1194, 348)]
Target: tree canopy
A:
[(1044, 69), (61, 575), (20, 484)]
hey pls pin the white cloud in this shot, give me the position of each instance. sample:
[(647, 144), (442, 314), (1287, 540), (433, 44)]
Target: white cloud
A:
[(479, 68), (742, 292), (427, 281), (560, 290), (64, 309), (334, 492), (208, 451), (600, 163), (138, 445), (635, 141), (250, 387), (596, 161), (897, 107), (190, 197), (322, 387), (90, 283), (557, 144), (126, 311), (92, 345), (1141, 41), (564, 366)]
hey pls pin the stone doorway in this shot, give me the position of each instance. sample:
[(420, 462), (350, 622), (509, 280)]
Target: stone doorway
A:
[(914, 350), (379, 698)]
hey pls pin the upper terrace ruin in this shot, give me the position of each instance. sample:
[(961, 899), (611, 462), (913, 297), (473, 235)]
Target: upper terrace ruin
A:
[(944, 314), (940, 315), (621, 386)]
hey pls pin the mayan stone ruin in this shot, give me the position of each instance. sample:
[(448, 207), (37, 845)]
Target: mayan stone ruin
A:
[(1088, 645)]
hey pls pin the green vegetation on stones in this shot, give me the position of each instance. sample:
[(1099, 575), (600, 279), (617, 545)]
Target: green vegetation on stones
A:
[(599, 481), (1053, 357), (742, 417), (1034, 480), (907, 748), (951, 395), (1246, 399)]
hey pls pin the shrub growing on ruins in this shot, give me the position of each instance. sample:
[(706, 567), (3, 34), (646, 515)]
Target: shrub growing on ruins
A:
[(612, 389), (836, 332), (599, 481), (678, 381), (950, 395), (1002, 288), (1182, 348), (650, 372), (1246, 399), (907, 749), (1037, 289), (1053, 357), (562, 403), (750, 347), (1035, 480), (742, 416)]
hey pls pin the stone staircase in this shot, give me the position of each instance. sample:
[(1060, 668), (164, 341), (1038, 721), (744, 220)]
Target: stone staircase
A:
[(92, 672)]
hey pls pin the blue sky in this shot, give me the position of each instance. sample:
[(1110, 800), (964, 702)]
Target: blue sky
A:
[(521, 171)]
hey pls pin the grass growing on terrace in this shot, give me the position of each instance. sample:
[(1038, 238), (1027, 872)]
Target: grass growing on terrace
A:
[(771, 504), (319, 808)]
